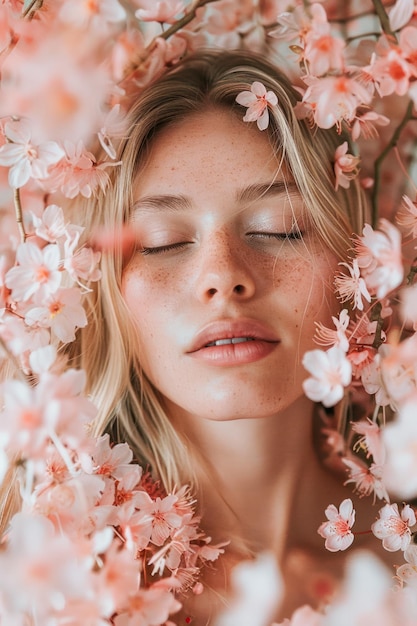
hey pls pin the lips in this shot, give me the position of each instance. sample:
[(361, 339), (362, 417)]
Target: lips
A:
[(232, 332)]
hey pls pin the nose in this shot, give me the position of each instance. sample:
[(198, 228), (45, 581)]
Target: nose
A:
[(224, 272)]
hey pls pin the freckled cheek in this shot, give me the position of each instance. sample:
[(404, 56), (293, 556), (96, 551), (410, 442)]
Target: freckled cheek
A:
[(148, 293)]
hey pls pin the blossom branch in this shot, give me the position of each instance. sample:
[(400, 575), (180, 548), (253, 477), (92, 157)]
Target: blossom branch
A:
[(19, 214), (31, 7), (380, 159), (183, 21), (383, 18), (376, 317)]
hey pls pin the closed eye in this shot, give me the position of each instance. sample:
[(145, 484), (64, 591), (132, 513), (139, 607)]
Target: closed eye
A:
[(294, 235), (168, 248)]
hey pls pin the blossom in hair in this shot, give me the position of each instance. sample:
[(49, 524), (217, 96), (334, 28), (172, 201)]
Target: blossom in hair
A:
[(331, 372), (346, 166), (337, 530), (393, 527), (25, 157), (257, 101)]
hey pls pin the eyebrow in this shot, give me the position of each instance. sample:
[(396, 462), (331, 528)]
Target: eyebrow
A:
[(251, 193), (255, 192)]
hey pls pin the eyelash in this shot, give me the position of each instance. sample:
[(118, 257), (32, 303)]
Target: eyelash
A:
[(168, 248), (293, 235)]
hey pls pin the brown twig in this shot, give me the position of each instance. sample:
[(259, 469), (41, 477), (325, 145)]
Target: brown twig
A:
[(30, 8), (376, 317), (378, 162), (383, 18), (19, 214), (183, 21)]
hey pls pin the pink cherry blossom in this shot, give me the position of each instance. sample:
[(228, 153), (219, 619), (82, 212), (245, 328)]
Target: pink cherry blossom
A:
[(165, 12), (372, 380), (370, 441), (334, 99), (367, 597), (401, 13), (331, 372), (409, 305), (366, 480), (161, 515), (329, 337), (78, 172), (257, 590), (364, 125), (379, 257), (230, 21), (346, 166), (117, 579), (407, 216), (391, 73), (257, 101), (62, 312), (337, 530), (400, 441), (304, 616), (26, 158), (323, 52), (81, 263), (148, 607), (37, 272), (393, 527), (51, 225), (407, 573), (111, 461), (45, 564), (408, 44), (95, 15), (291, 24)]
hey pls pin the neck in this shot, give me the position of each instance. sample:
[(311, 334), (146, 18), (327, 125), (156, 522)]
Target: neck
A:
[(253, 472)]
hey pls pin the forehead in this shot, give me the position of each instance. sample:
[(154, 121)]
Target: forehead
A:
[(208, 151)]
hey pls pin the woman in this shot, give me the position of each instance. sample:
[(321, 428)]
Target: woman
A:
[(196, 335)]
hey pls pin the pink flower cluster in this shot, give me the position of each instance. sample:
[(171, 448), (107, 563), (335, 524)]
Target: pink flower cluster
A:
[(97, 540), (42, 286)]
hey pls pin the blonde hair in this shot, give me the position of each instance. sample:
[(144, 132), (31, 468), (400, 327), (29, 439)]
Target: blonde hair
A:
[(130, 409)]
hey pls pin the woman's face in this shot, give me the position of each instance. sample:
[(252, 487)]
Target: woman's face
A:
[(228, 277)]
